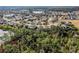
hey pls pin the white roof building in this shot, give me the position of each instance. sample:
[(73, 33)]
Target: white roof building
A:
[(5, 36), (9, 15), (38, 12)]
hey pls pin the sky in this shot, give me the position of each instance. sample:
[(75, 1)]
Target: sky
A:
[(39, 2)]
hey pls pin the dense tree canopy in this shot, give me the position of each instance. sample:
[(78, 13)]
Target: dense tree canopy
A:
[(61, 38)]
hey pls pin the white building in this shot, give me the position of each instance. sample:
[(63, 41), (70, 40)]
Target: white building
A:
[(5, 36), (38, 12)]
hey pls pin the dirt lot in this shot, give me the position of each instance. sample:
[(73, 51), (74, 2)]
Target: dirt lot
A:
[(75, 22)]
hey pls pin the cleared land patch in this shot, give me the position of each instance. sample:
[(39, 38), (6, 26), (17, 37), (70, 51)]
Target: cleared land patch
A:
[(74, 22)]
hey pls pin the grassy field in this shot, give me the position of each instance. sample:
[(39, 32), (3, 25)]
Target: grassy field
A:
[(75, 22)]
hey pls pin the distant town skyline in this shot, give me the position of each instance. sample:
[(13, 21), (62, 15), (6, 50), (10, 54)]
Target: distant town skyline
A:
[(9, 7)]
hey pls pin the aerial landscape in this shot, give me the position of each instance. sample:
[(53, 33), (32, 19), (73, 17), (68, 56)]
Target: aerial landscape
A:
[(39, 29)]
